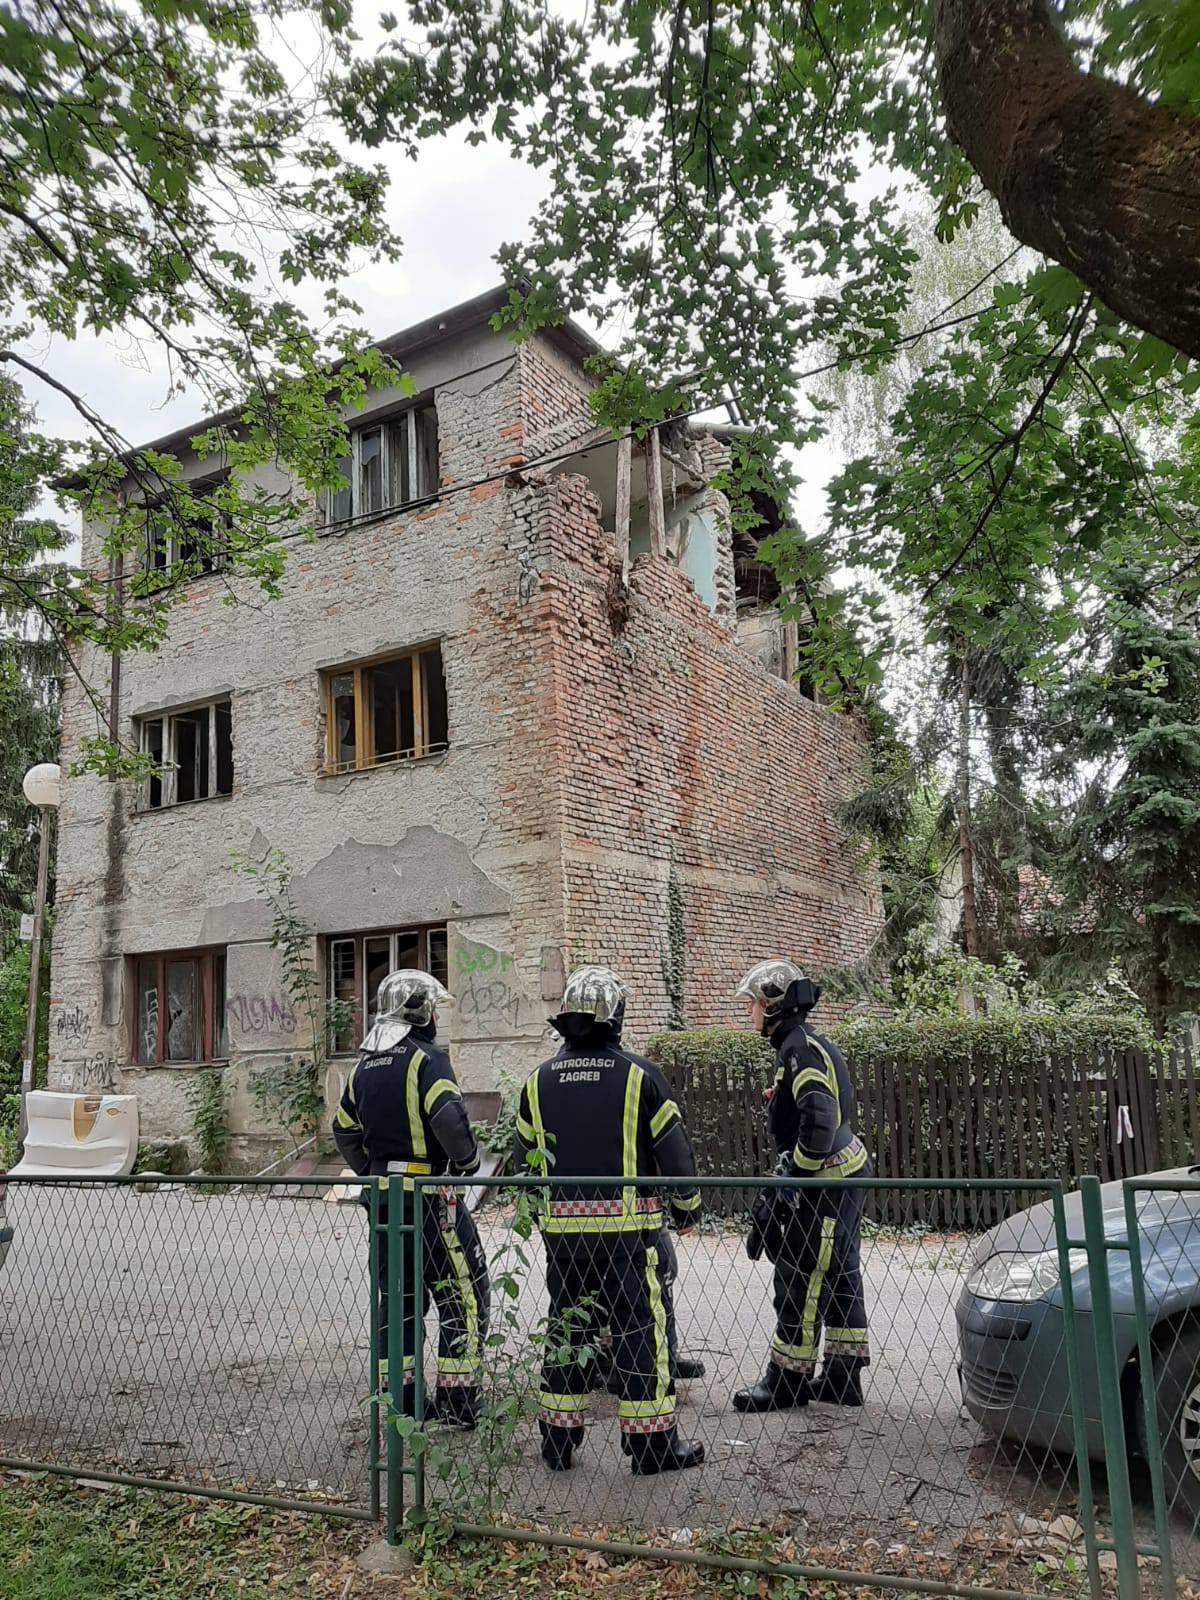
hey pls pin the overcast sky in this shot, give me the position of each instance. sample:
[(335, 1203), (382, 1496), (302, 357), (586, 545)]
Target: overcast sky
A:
[(453, 208)]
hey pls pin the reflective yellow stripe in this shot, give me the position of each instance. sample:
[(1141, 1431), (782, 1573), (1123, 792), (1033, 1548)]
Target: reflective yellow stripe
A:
[(795, 1351), (647, 1408), (688, 1202), (525, 1129), (832, 1070), (662, 1116), (539, 1127), (344, 1119), (437, 1090), (809, 1075), (637, 1223), (629, 1153), (847, 1335), (416, 1127), (662, 1359), (848, 1161), (812, 1295), (466, 1290), (562, 1402), (803, 1163)]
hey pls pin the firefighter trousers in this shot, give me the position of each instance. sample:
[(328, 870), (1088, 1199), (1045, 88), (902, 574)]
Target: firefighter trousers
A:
[(818, 1281), (613, 1278), (454, 1275)]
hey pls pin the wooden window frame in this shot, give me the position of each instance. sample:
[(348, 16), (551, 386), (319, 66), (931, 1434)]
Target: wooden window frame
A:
[(207, 959), (422, 930), (421, 461), (364, 723), (170, 770)]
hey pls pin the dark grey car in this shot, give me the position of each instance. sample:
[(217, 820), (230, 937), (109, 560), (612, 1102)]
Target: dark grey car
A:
[(1011, 1328)]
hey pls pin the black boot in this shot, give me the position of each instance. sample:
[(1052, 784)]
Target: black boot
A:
[(840, 1383), (688, 1367), (776, 1390), (651, 1453), (457, 1406), (559, 1445)]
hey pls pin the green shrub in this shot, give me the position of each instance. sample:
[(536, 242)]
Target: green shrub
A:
[(1019, 1044)]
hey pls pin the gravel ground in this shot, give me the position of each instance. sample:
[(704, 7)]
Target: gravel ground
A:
[(224, 1339)]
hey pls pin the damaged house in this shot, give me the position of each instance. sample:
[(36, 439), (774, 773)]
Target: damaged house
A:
[(520, 704)]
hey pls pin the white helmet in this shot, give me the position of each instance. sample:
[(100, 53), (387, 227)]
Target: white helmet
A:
[(594, 992), (769, 981), (407, 999)]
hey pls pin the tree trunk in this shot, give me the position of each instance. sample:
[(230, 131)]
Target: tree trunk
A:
[(1009, 832), (1085, 170), (966, 857)]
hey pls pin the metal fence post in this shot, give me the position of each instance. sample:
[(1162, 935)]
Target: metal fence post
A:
[(1158, 1493), (1109, 1379), (1083, 1465), (417, 1336), (376, 1388), (394, 1511)]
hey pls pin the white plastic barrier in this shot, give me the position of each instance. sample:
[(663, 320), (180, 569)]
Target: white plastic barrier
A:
[(92, 1135)]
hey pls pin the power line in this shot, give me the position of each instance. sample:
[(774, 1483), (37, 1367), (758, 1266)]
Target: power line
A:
[(568, 453)]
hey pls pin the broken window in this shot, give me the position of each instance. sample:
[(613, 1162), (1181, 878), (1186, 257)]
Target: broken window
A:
[(193, 752), (357, 963), (179, 1014), (386, 710), (391, 463), (187, 534)]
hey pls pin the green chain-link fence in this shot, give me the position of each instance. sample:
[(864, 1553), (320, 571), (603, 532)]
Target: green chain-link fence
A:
[(214, 1336), (1032, 1405)]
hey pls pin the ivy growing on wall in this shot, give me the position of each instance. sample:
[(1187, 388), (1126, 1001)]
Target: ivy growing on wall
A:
[(291, 1095), (674, 951), (208, 1103)]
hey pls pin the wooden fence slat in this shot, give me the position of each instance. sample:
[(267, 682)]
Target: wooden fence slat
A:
[(1045, 1162)]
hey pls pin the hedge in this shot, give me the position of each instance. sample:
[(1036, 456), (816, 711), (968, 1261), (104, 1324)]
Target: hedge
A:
[(1037, 1096)]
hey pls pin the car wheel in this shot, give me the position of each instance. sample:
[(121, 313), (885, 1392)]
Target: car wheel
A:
[(1177, 1394)]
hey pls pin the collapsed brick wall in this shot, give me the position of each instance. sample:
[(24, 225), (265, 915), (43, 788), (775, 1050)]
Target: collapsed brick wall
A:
[(684, 758)]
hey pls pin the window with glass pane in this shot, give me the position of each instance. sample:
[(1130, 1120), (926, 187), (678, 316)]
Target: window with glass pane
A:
[(386, 711), (356, 964), (180, 1013), (345, 1030), (193, 535), (341, 501), (391, 463), (193, 752)]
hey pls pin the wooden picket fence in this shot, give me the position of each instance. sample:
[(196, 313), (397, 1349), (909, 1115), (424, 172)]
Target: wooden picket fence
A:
[(1116, 1115)]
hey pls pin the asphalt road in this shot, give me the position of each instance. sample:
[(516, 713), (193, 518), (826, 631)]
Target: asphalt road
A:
[(224, 1340)]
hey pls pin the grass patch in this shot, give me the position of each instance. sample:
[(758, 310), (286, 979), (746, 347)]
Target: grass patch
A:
[(61, 1541)]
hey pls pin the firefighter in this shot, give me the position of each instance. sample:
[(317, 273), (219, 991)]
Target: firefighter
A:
[(592, 1111), (818, 1280), (402, 1112)]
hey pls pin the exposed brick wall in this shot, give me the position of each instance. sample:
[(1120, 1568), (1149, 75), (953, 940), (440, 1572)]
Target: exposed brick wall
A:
[(681, 748), (598, 736)]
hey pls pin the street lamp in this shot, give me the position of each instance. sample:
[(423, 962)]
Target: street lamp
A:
[(41, 790)]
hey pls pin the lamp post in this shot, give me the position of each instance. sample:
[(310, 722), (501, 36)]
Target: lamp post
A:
[(41, 790)]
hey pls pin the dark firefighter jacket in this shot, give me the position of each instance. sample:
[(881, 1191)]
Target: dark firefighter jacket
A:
[(404, 1106), (596, 1110), (811, 1112)]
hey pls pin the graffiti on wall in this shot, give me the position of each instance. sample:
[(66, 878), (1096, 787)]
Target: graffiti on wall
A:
[(487, 990), (95, 1075), (72, 1025), (261, 1013)]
